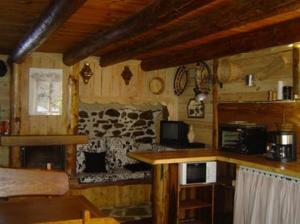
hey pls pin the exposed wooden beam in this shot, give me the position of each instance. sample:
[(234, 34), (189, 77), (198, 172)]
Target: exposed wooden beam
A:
[(56, 14), (158, 13), (233, 18), (279, 34)]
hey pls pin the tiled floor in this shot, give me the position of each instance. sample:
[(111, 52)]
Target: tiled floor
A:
[(128, 214)]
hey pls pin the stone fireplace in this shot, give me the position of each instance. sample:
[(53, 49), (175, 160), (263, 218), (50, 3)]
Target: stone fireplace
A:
[(41, 156)]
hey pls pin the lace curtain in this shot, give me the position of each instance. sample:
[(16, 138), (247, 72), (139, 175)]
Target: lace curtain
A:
[(266, 198)]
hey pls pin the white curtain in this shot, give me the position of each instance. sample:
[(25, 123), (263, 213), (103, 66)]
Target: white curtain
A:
[(266, 198)]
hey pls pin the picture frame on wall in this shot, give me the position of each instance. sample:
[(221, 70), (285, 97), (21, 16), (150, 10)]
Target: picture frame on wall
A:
[(195, 109)]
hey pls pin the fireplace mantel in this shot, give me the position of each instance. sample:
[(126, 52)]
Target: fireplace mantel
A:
[(27, 140)]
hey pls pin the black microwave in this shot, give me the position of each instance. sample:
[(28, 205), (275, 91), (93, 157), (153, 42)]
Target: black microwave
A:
[(243, 138)]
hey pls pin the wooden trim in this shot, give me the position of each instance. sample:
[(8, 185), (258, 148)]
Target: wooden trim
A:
[(296, 72), (215, 104), (22, 140)]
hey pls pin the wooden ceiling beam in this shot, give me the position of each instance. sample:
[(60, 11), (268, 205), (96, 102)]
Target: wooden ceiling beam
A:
[(283, 33), (55, 15), (227, 18), (158, 13)]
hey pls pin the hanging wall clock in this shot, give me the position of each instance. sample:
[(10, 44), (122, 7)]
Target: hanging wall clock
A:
[(180, 80)]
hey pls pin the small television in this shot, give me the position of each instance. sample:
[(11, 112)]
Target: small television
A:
[(174, 133)]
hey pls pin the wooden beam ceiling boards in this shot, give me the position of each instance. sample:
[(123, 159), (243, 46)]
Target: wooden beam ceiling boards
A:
[(177, 31), (56, 14)]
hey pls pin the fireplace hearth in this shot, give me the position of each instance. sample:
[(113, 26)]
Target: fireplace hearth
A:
[(40, 156)]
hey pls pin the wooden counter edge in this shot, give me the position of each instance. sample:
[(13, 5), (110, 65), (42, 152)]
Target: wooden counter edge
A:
[(277, 168)]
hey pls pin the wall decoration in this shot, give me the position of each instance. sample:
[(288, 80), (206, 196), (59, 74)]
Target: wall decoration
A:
[(195, 109), (45, 91), (126, 75), (203, 80), (86, 73), (156, 85), (180, 80)]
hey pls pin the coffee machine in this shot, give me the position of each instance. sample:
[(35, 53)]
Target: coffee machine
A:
[(281, 146)]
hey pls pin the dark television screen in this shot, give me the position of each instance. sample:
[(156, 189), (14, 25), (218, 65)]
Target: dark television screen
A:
[(170, 131), (173, 133)]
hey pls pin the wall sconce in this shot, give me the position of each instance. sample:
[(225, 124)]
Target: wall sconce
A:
[(126, 74), (86, 73)]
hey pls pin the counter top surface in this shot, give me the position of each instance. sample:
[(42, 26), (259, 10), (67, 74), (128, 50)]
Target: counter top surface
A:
[(201, 155)]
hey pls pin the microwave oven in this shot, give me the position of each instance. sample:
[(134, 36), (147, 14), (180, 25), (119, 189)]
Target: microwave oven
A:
[(197, 172), (243, 138)]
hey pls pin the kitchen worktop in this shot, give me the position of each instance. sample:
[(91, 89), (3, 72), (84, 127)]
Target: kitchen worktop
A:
[(201, 155)]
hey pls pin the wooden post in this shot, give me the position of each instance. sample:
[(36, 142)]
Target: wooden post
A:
[(296, 70), (73, 102), (165, 194), (15, 113), (215, 104)]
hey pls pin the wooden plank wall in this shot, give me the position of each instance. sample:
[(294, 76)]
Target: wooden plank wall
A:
[(4, 109), (270, 114), (268, 66), (107, 86), (202, 126), (44, 125)]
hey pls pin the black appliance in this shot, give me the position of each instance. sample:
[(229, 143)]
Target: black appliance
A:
[(174, 133), (243, 138), (281, 146)]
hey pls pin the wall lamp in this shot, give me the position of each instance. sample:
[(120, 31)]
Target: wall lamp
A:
[(86, 73)]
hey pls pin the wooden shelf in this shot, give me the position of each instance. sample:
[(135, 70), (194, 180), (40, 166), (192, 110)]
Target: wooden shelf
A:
[(193, 204), (191, 221), (25, 140), (196, 185)]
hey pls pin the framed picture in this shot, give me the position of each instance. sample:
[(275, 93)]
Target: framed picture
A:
[(195, 109), (45, 91)]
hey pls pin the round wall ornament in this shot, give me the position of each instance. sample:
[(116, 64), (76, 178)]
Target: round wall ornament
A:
[(180, 80), (156, 85)]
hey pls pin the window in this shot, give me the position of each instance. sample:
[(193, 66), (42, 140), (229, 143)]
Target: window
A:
[(45, 91)]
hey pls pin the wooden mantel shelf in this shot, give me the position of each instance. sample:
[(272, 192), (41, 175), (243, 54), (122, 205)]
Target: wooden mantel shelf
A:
[(23, 140)]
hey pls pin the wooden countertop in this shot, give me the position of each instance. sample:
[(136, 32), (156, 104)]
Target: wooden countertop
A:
[(201, 155)]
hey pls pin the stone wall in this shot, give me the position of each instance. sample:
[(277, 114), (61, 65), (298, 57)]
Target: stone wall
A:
[(114, 120)]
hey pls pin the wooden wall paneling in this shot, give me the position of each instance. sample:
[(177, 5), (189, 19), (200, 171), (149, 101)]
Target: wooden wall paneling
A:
[(44, 125), (15, 114), (215, 134), (268, 66), (108, 196), (202, 126), (107, 86), (296, 70), (270, 114)]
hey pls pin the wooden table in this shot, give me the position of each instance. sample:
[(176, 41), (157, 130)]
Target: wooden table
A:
[(45, 209), (165, 179)]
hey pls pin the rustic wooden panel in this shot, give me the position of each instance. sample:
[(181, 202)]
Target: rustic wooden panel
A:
[(116, 195), (268, 66), (44, 125), (20, 182), (43, 140), (4, 109), (202, 126), (107, 86), (270, 114)]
